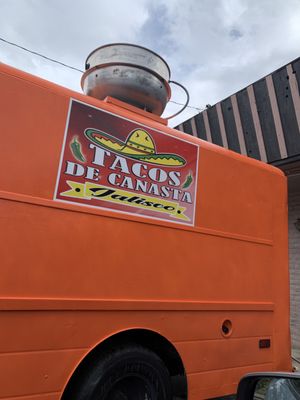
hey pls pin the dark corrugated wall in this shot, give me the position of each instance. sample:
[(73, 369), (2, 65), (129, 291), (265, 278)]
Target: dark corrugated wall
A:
[(261, 121)]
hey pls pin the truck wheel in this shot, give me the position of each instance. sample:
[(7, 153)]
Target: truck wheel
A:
[(131, 373)]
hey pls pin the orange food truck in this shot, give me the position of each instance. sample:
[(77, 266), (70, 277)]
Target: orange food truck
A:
[(137, 262)]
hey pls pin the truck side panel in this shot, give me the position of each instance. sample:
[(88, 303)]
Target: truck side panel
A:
[(71, 276)]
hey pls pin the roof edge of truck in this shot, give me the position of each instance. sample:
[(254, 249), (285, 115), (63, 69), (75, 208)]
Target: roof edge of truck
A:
[(140, 118)]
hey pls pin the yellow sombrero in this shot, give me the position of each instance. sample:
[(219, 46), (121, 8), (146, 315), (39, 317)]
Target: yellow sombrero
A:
[(138, 145)]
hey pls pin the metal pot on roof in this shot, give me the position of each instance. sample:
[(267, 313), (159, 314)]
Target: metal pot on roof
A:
[(130, 73)]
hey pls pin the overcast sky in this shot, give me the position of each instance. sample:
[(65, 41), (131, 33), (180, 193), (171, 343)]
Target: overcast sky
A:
[(213, 47)]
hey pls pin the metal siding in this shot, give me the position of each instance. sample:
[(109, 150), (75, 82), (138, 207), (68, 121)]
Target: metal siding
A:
[(194, 128), (214, 126), (296, 71), (207, 126), (247, 124), (238, 123), (256, 122), (201, 133), (187, 127), (287, 111), (222, 126), (276, 115), (230, 126), (294, 91), (266, 120)]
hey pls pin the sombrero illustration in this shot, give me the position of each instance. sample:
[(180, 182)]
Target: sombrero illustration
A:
[(139, 145)]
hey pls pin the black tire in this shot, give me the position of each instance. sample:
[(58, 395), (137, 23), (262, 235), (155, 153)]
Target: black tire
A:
[(130, 373)]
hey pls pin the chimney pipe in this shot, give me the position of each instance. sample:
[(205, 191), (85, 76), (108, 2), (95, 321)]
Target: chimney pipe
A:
[(130, 73)]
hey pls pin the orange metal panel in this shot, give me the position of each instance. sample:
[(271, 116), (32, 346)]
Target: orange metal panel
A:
[(72, 276)]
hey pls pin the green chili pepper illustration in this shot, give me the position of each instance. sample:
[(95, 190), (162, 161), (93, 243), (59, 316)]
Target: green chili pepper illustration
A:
[(76, 150), (188, 181)]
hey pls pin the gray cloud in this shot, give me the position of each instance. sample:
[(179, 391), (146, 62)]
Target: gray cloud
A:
[(235, 33)]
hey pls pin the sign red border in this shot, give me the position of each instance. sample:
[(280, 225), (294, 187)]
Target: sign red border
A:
[(111, 162)]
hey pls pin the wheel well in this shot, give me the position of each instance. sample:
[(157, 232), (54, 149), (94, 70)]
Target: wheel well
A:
[(146, 338)]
